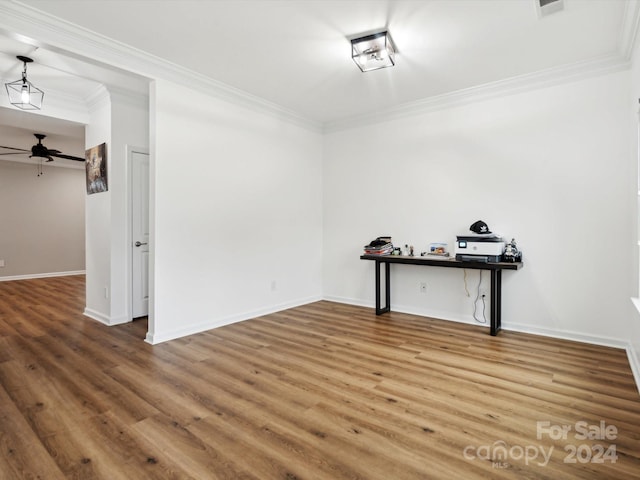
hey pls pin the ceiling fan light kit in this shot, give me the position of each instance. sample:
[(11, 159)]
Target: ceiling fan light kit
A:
[(22, 93), (39, 151), (373, 51)]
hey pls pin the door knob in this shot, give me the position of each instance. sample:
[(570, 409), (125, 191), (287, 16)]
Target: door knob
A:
[(138, 244)]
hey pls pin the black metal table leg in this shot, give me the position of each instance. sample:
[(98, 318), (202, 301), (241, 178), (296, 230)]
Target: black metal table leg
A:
[(496, 301), (387, 288), (495, 270)]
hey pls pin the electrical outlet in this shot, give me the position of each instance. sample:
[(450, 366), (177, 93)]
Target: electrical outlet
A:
[(423, 287), (1, 263), (274, 286)]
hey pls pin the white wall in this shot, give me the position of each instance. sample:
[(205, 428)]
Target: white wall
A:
[(633, 332), (237, 228), (119, 121), (549, 167), (98, 220), (41, 220), (129, 128)]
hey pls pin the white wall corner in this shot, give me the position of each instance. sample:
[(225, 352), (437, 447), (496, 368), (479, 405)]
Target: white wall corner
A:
[(159, 337), (632, 354), (119, 320), (636, 303), (106, 319), (628, 39), (98, 99), (128, 97), (634, 363), (149, 338), (95, 315)]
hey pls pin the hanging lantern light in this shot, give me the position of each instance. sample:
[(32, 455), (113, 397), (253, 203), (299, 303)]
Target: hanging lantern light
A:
[(22, 93)]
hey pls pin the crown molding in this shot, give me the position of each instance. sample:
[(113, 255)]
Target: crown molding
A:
[(40, 29), (98, 99), (541, 79), (627, 44), (106, 95), (127, 96), (628, 39)]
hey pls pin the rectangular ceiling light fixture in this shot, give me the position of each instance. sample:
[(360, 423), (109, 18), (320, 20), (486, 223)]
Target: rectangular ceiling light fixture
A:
[(373, 51), (547, 7)]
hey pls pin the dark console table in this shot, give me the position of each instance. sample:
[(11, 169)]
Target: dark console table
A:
[(494, 268)]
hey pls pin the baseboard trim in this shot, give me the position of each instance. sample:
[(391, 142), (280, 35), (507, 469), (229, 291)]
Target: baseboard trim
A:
[(514, 327), (348, 301), (567, 335), (95, 315), (105, 319), (634, 361), (119, 320), (439, 315), (160, 337), (33, 276)]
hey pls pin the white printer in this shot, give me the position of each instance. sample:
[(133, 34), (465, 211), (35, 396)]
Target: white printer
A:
[(480, 246)]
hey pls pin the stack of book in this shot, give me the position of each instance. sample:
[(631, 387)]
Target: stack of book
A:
[(379, 246)]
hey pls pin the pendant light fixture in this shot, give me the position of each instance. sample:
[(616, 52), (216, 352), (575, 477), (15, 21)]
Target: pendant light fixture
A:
[(22, 93), (373, 51)]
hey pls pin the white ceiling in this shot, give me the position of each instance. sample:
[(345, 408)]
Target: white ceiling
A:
[(296, 53)]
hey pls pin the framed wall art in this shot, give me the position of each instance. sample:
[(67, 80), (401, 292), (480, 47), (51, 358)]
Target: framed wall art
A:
[(96, 166)]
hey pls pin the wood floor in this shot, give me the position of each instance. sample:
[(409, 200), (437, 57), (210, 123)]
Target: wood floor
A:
[(323, 391)]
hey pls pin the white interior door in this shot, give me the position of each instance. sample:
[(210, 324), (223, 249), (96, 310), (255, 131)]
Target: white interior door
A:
[(140, 233)]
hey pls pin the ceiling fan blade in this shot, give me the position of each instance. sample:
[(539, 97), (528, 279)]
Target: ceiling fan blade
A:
[(40, 151), (13, 148), (62, 155)]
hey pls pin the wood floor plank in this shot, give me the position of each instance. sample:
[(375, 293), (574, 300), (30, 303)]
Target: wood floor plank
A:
[(236, 435), (22, 455), (324, 391), (189, 452)]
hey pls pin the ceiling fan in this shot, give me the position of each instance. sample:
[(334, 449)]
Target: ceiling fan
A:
[(39, 150)]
